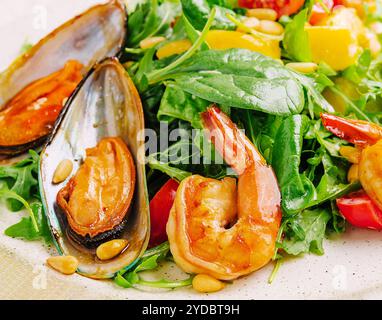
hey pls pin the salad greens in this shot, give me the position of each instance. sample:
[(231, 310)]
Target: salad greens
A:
[(279, 107)]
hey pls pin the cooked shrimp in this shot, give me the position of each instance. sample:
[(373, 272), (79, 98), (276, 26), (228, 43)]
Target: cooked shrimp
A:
[(226, 229), (368, 137)]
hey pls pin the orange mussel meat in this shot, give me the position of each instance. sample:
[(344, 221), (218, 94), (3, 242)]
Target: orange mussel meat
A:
[(31, 114), (98, 198)]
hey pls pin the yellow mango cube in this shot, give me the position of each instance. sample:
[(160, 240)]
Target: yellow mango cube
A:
[(222, 39), (333, 45)]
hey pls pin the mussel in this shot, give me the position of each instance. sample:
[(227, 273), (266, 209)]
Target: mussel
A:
[(100, 132), (35, 87)]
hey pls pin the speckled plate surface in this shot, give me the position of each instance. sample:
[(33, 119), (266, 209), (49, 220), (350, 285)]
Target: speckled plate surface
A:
[(350, 268)]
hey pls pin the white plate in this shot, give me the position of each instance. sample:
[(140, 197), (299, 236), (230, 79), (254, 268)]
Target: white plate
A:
[(350, 268)]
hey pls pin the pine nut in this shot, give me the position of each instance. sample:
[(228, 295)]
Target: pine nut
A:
[(65, 264), (62, 172), (353, 174), (111, 249), (351, 154), (251, 22), (262, 14), (270, 27), (303, 67), (151, 42), (206, 284)]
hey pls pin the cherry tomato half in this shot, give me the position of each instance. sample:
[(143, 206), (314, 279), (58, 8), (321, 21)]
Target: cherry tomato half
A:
[(358, 132), (282, 7), (160, 207), (360, 211)]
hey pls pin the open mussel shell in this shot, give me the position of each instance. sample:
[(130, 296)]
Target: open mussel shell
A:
[(98, 33), (106, 104)]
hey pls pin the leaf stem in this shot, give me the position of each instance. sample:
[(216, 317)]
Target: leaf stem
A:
[(157, 75), (279, 236), (12, 195), (166, 283), (275, 271)]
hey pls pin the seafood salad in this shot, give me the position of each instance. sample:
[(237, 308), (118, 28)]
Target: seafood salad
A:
[(218, 136)]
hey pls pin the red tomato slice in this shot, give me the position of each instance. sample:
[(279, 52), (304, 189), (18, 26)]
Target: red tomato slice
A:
[(360, 211), (283, 7), (319, 13), (160, 207)]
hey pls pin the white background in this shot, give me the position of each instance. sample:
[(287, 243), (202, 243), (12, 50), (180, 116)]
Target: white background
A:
[(350, 268)]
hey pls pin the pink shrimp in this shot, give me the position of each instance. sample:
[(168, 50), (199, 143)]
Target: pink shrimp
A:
[(226, 228)]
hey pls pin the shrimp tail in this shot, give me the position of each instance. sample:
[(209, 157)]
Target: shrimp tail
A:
[(231, 143), (358, 132)]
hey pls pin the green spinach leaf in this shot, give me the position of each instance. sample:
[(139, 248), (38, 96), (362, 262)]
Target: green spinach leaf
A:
[(296, 189), (240, 79)]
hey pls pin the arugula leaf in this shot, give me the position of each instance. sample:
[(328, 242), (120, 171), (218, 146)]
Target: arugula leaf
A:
[(160, 74), (312, 226), (366, 78), (172, 172), (19, 188), (178, 154), (357, 72), (6, 194), (296, 39), (333, 182), (150, 261), (21, 179), (25, 228), (198, 11), (192, 33), (192, 154)]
